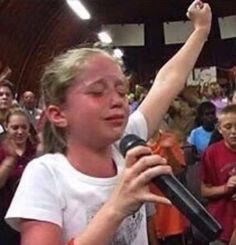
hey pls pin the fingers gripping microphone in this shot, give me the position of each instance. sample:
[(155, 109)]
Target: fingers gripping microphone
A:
[(184, 201)]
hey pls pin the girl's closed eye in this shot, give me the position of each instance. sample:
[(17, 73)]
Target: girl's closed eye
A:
[(96, 89), (96, 92), (122, 91)]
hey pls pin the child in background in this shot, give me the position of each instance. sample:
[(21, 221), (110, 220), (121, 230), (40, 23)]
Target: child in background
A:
[(16, 151), (205, 125), (218, 174)]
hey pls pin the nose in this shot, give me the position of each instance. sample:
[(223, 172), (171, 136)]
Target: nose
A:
[(116, 99), (5, 96), (233, 130), (20, 131), (212, 118)]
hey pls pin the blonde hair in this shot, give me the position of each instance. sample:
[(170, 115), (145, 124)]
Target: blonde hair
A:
[(56, 80), (229, 109), (16, 111)]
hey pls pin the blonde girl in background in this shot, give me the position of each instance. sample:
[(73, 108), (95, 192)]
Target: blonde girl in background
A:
[(16, 150)]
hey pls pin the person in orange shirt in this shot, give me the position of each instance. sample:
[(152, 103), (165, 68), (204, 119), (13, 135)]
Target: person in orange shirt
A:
[(169, 223)]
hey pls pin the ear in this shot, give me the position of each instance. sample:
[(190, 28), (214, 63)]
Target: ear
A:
[(56, 116)]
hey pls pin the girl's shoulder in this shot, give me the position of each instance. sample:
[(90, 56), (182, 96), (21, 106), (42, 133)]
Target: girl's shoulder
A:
[(49, 161)]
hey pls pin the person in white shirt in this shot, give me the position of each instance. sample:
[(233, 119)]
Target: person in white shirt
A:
[(84, 189)]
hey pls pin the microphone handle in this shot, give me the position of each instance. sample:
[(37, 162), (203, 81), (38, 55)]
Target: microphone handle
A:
[(188, 205)]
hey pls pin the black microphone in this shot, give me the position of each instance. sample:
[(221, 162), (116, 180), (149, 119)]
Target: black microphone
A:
[(184, 201)]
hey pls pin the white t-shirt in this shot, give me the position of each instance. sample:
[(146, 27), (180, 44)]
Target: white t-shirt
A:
[(52, 190)]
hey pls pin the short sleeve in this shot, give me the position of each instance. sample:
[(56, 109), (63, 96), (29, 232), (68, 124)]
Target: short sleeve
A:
[(137, 124), (190, 138), (37, 197)]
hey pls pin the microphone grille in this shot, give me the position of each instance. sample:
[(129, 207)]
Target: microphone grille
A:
[(130, 141)]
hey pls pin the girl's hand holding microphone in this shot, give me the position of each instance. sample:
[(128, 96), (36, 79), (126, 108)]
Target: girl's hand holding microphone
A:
[(133, 188)]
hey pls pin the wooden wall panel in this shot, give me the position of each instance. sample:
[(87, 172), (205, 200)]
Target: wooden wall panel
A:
[(33, 31)]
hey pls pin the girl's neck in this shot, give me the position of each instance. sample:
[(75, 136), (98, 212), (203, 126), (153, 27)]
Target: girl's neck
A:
[(96, 162)]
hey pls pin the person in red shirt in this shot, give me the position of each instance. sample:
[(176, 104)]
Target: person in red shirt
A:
[(16, 151), (218, 174)]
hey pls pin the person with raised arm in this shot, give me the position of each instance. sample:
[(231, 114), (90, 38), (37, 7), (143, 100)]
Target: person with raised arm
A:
[(83, 191)]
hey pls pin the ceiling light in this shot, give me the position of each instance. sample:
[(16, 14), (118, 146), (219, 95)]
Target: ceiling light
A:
[(118, 53), (79, 9), (104, 37)]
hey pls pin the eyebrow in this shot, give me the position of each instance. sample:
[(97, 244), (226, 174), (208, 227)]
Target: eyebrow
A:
[(118, 82)]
